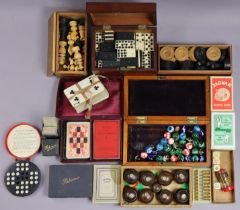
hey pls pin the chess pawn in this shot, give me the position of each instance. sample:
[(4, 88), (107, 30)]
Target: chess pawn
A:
[(61, 59), (71, 61), (62, 52), (73, 23), (78, 58), (82, 32), (66, 67), (70, 43), (72, 68), (74, 35)]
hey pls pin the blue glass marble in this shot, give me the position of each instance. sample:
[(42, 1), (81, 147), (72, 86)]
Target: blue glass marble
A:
[(202, 158), (166, 158), (148, 149), (184, 128), (182, 136), (163, 141), (151, 156), (196, 128), (170, 129), (159, 147), (188, 158)]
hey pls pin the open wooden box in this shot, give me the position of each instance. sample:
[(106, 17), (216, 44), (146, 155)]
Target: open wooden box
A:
[(172, 187), (151, 103), (53, 44), (110, 109), (227, 163), (122, 17), (179, 71)]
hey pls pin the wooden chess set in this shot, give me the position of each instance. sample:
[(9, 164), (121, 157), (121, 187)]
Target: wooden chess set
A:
[(161, 115)]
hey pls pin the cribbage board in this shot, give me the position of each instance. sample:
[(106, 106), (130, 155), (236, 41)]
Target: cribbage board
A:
[(78, 140)]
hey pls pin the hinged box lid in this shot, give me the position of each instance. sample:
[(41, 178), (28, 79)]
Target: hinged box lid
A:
[(172, 98), (122, 13)]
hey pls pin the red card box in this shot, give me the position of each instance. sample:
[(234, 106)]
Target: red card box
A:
[(110, 107), (221, 93), (106, 139)]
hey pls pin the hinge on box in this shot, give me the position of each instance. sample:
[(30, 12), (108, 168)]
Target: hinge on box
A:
[(142, 27), (141, 120), (161, 77), (192, 120), (106, 27), (123, 68), (168, 163)]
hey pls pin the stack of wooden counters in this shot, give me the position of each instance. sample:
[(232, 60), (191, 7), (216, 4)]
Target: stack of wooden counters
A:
[(71, 44), (194, 58)]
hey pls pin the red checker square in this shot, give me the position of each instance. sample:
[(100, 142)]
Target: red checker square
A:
[(81, 145), (74, 145), (81, 134), (74, 134)]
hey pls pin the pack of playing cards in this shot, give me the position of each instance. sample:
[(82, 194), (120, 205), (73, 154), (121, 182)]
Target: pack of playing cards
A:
[(78, 140), (86, 93), (223, 130), (221, 93)]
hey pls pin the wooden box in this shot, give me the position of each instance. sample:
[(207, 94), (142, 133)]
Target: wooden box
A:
[(122, 17), (206, 71), (224, 160), (53, 44), (108, 110), (152, 103), (172, 187)]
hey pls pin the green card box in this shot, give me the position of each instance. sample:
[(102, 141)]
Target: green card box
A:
[(223, 130)]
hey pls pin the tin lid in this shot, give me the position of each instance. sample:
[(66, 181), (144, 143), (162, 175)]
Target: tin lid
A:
[(122, 13), (22, 141)]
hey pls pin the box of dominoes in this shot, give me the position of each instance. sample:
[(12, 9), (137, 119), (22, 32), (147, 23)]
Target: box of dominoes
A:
[(123, 37), (67, 44), (166, 121), (94, 135), (161, 186), (204, 59)]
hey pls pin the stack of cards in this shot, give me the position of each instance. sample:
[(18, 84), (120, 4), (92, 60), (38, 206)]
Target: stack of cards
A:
[(86, 93)]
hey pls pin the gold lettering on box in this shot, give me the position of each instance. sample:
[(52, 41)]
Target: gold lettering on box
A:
[(69, 180), (49, 147)]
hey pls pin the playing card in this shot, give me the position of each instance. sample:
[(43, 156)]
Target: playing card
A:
[(78, 140)]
